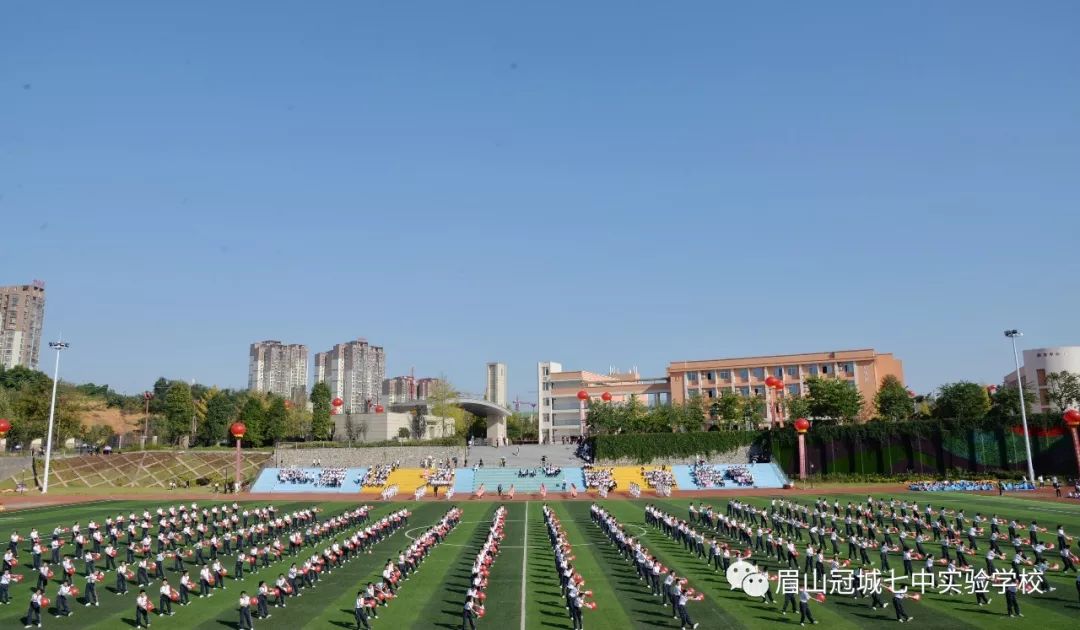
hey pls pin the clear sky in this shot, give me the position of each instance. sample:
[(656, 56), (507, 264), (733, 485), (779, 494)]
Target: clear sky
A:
[(597, 183)]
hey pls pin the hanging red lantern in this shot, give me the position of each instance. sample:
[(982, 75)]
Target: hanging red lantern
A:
[(583, 395), (1071, 417), (5, 426), (337, 402), (606, 397), (778, 384), (991, 389), (802, 425), (910, 393), (379, 409), (770, 382), (238, 430)]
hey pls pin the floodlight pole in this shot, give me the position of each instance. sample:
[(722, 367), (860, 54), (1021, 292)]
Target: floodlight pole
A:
[(58, 346), (1012, 335)]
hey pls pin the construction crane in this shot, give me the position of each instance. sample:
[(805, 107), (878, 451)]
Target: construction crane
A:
[(518, 402)]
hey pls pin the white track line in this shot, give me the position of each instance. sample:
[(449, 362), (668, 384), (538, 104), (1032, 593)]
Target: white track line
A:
[(524, 563)]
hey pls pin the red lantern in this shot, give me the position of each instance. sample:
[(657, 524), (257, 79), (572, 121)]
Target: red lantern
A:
[(238, 430), (606, 397), (770, 382), (5, 426), (1071, 418), (583, 395), (991, 389), (802, 425), (379, 409), (337, 402), (910, 393), (778, 384)]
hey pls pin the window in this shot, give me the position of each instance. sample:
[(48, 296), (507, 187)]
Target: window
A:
[(778, 372), (793, 389), (725, 375), (793, 370), (759, 373), (824, 368), (759, 390), (692, 377), (712, 393), (744, 374), (849, 367), (812, 370), (711, 376), (743, 391)]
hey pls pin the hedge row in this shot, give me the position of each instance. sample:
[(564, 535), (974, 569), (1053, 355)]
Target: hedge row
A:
[(646, 447)]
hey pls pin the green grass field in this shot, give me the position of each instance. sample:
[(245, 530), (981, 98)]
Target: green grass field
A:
[(523, 589)]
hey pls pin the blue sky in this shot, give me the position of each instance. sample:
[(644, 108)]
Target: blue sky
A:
[(601, 183)]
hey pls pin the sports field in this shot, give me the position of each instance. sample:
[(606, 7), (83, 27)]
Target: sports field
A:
[(523, 590)]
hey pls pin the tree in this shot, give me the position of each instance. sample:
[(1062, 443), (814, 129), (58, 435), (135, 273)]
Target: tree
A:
[(1005, 402), (99, 435), (219, 415), (403, 433), (253, 416), (833, 398), (321, 426), (690, 417), (754, 409), (299, 424), (419, 423), (18, 377), (179, 409), (729, 406), (277, 420), (892, 401), (962, 400), (350, 429), (442, 402), (1063, 390), (796, 407)]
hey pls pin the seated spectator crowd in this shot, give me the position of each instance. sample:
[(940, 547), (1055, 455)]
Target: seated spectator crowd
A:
[(547, 470), (598, 477), (441, 476), (377, 475), (294, 475), (959, 485), (658, 477)]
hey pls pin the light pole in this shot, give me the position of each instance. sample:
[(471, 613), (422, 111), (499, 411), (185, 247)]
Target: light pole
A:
[(1012, 335), (58, 346)]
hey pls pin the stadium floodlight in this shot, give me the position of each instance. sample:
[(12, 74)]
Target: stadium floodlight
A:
[(58, 346), (1012, 334)]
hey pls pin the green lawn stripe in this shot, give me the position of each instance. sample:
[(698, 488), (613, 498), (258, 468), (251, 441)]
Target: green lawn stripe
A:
[(503, 604), (544, 605), (612, 580)]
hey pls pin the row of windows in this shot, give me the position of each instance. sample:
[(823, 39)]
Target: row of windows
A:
[(794, 389), (758, 373)]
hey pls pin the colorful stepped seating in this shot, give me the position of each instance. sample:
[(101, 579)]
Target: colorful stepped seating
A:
[(765, 476), (492, 477), (268, 482), (406, 479)]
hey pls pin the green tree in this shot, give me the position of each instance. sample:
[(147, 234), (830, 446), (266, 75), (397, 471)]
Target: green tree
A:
[(1063, 390), (442, 402), (219, 415), (689, 418), (1005, 402), (729, 407), (179, 409), (99, 435), (754, 409), (321, 426), (18, 377), (601, 418), (277, 421), (962, 400), (253, 415), (833, 398), (796, 407), (892, 401), (403, 433)]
